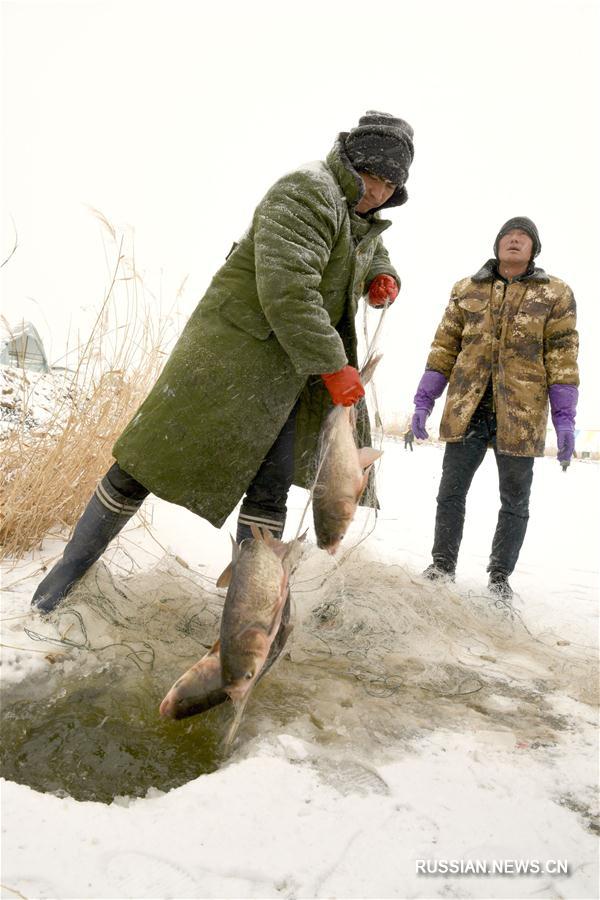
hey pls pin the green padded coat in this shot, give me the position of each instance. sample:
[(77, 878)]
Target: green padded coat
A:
[(279, 312)]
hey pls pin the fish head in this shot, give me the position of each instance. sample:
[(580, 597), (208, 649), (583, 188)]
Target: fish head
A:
[(198, 689), (332, 523), (241, 671)]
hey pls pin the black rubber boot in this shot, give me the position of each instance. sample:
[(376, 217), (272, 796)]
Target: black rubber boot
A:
[(103, 518)]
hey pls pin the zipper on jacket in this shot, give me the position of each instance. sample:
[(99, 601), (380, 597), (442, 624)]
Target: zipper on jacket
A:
[(497, 311)]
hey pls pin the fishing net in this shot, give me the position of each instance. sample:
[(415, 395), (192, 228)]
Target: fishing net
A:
[(408, 631), (376, 652), (153, 620)]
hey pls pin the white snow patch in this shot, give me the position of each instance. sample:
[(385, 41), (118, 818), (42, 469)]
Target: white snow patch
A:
[(451, 732)]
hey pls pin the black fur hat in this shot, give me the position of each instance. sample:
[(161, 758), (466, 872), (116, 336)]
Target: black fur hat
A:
[(382, 146)]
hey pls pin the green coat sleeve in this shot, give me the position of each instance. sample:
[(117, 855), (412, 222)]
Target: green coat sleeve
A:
[(294, 233), (561, 341), (447, 341), (381, 265)]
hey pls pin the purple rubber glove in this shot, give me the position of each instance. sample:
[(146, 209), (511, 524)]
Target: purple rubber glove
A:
[(563, 407), (431, 386), (418, 424)]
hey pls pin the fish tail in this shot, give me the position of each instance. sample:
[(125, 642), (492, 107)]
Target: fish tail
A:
[(237, 720), (371, 363)]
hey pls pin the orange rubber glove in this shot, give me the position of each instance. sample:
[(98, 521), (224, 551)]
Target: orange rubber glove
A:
[(383, 288), (345, 386)]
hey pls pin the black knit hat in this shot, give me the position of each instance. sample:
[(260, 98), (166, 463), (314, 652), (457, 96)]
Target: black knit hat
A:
[(382, 146), (524, 224)]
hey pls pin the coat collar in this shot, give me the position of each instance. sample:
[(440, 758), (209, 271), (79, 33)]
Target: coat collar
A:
[(489, 271), (349, 179)]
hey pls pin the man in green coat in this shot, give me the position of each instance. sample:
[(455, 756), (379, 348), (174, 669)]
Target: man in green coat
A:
[(238, 408)]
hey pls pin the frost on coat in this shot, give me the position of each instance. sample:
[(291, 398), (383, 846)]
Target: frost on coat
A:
[(524, 335), (279, 312)]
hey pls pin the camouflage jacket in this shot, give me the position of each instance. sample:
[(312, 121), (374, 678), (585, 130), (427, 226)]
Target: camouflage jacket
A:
[(523, 334)]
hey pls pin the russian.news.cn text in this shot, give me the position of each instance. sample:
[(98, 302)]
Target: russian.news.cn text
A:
[(491, 867)]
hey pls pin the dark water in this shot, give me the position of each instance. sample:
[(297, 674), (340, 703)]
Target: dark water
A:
[(98, 737)]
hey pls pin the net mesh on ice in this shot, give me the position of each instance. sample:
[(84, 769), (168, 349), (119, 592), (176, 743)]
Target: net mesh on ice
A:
[(365, 623)]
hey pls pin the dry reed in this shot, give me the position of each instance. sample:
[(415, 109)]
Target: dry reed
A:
[(48, 475)]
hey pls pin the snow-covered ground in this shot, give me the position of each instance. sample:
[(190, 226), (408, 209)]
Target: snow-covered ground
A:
[(32, 400), (407, 722)]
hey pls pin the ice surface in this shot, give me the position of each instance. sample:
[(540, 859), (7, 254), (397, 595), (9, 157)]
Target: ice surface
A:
[(407, 721)]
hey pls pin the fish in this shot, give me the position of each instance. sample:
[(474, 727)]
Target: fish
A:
[(342, 472), (257, 581), (198, 689)]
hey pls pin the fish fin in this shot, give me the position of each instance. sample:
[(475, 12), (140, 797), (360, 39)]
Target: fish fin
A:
[(293, 553), (239, 708), (363, 484), (215, 649), (366, 373), (262, 533), (284, 549), (286, 630), (278, 610), (224, 579), (281, 549), (367, 456)]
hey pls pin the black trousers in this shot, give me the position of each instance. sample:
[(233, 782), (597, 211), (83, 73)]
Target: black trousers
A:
[(265, 502), (515, 474)]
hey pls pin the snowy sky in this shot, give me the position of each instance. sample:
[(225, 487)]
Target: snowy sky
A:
[(175, 116)]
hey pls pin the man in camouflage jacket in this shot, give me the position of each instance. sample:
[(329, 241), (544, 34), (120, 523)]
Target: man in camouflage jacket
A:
[(507, 344), (237, 410)]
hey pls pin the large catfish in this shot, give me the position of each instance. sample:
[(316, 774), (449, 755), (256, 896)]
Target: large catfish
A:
[(258, 588), (342, 473)]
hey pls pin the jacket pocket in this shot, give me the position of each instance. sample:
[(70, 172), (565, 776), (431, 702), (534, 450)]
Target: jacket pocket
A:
[(474, 304), (244, 315)]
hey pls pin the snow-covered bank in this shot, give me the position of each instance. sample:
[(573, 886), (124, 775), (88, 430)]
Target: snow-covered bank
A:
[(407, 723), (34, 400), (275, 825)]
